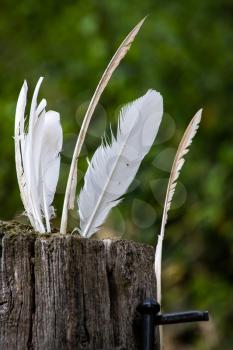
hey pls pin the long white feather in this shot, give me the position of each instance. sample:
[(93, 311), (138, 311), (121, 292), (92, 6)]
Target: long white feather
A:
[(175, 172), (113, 167), (72, 179), (37, 155)]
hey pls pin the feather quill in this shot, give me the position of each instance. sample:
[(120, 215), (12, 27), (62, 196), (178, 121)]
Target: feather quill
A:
[(37, 156), (114, 166), (175, 172), (72, 178)]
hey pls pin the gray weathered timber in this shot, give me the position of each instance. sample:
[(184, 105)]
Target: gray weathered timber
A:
[(65, 292)]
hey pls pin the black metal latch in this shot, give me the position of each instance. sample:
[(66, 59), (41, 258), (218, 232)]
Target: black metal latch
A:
[(150, 312)]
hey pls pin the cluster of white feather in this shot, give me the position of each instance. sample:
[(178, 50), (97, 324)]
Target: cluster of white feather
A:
[(109, 174), (37, 155), (112, 168)]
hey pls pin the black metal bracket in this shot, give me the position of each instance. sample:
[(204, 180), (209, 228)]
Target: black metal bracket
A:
[(150, 309)]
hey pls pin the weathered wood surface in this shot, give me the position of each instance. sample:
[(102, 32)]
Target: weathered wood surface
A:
[(64, 292)]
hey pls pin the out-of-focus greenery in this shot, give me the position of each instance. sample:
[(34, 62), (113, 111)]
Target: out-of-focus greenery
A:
[(184, 50)]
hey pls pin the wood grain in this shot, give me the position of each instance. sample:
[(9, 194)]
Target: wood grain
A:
[(65, 292)]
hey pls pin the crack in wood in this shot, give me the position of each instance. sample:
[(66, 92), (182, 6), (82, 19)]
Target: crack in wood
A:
[(6, 300)]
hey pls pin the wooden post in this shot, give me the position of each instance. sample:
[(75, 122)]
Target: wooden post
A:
[(65, 292)]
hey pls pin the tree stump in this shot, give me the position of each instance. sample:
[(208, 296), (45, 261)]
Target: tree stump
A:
[(65, 292)]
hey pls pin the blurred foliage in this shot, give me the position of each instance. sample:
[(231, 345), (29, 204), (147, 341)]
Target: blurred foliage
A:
[(184, 50)]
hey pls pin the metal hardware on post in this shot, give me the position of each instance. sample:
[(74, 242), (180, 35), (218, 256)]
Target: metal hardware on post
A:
[(149, 310), (181, 317)]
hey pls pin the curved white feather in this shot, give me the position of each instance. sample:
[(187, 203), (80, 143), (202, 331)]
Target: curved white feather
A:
[(175, 172), (30, 158), (113, 167), (72, 178), (19, 149), (50, 162)]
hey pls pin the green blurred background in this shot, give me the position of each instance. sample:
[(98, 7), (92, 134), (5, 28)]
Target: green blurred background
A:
[(184, 50)]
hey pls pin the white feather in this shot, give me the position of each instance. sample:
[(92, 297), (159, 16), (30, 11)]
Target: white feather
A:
[(175, 172), (113, 167), (37, 154)]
